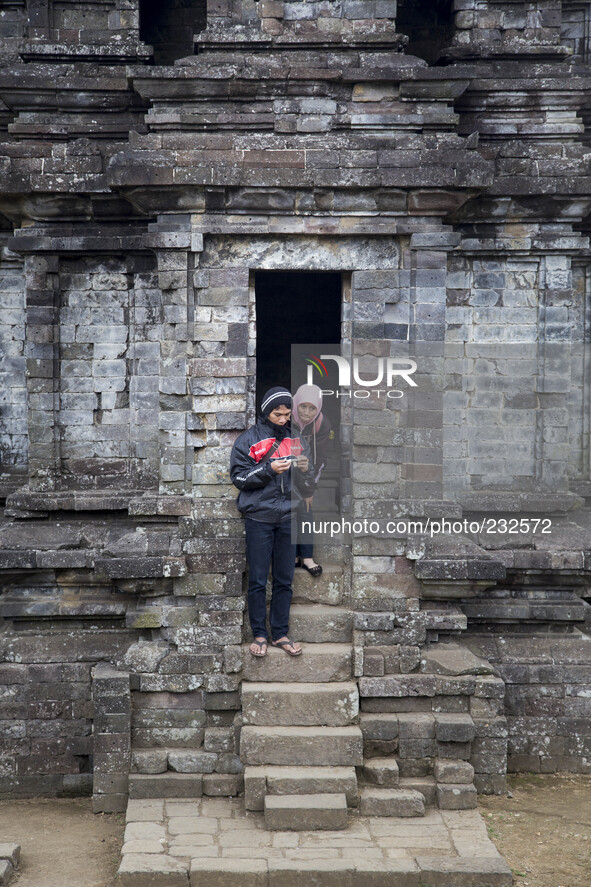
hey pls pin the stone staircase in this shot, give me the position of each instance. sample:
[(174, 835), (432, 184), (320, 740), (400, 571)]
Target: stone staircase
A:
[(357, 722), (308, 751), (301, 741)]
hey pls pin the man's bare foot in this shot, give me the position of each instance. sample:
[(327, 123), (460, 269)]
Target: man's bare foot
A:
[(258, 647), (290, 648)]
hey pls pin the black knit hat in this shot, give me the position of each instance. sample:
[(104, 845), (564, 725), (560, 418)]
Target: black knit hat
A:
[(273, 398)]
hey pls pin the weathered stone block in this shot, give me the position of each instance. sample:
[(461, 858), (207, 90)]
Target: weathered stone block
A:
[(391, 802), (328, 746), (456, 797), (271, 704)]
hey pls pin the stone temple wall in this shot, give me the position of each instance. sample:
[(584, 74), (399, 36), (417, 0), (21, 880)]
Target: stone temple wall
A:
[(443, 172)]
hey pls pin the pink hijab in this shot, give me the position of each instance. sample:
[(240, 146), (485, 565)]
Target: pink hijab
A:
[(308, 394)]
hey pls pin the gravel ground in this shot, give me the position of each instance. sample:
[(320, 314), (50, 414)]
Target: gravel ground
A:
[(544, 830)]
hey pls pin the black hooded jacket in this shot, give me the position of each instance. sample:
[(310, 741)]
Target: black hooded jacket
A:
[(264, 495)]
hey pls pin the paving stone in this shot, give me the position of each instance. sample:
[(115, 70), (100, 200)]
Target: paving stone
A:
[(195, 824), (301, 746), (143, 847), (306, 812), (146, 810), (473, 843), (145, 831), (313, 704), (390, 802)]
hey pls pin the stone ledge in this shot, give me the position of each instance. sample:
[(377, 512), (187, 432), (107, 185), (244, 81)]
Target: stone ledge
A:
[(479, 871), (520, 503)]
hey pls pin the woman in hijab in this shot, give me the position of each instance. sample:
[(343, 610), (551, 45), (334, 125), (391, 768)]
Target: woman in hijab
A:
[(309, 421)]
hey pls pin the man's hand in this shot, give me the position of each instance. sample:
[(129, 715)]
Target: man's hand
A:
[(280, 466), (302, 463)]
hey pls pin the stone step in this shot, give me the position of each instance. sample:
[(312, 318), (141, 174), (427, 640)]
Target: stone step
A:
[(428, 685), (181, 760), (269, 780), (305, 812), (165, 785), (426, 785), (184, 785), (329, 588), (456, 797), (452, 771), (318, 663), (302, 746), (402, 871), (380, 771), (379, 801), (317, 624), (321, 624), (274, 704)]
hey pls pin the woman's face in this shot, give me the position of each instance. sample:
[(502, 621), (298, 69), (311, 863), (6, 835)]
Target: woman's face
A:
[(306, 412)]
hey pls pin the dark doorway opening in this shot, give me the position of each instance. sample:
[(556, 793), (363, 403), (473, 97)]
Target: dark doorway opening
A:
[(300, 308), (429, 26), (169, 27), (293, 308)]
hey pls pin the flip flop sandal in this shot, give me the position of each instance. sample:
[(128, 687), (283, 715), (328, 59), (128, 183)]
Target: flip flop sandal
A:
[(284, 645), (313, 571), (260, 645)]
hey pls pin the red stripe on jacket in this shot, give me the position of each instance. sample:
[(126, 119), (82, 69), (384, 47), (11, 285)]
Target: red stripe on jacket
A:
[(289, 446)]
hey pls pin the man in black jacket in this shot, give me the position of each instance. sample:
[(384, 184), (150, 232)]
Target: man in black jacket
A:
[(272, 471)]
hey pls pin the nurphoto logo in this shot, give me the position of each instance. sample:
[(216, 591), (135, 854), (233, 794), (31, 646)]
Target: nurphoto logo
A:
[(387, 370)]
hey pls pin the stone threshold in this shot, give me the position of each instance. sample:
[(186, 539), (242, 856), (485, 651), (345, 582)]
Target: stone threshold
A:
[(214, 841)]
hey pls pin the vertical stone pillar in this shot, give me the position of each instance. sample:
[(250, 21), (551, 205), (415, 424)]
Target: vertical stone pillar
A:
[(554, 372), (111, 699), (42, 369), (175, 261)]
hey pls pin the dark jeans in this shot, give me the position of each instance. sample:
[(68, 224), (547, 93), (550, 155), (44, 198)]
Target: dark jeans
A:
[(269, 545), (305, 546)]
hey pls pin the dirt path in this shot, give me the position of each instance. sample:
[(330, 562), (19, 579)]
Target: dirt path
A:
[(544, 830), (63, 843)]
